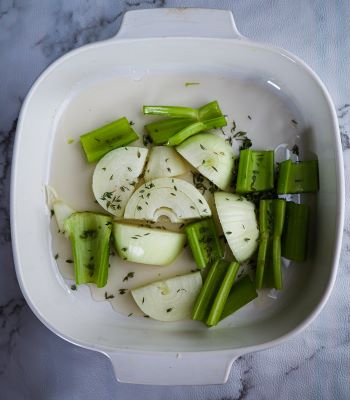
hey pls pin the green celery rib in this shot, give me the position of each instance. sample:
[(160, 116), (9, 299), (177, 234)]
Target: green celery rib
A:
[(276, 262), (271, 221), (242, 293), (261, 261), (161, 131), (204, 242), (255, 171), (222, 295), (300, 177), (209, 289), (100, 141), (171, 111), (195, 128), (209, 111), (89, 234), (183, 122), (294, 239)]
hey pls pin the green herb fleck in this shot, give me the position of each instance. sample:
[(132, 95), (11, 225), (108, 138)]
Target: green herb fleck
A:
[(89, 234), (239, 134), (191, 83), (295, 149), (233, 126), (129, 276)]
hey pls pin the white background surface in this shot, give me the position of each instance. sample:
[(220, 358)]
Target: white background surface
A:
[(34, 363)]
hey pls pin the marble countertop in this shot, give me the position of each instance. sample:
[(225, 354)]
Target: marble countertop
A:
[(36, 364)]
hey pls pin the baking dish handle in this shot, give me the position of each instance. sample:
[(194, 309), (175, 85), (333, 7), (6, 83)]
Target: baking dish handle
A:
[(178, 22), (148, 368)]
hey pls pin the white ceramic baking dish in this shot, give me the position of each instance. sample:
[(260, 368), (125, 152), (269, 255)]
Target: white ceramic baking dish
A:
[(177, 44)]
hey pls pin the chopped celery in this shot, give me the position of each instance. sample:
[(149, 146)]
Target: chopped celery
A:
[(208, 111), (255, 171), (294, 239), (209, 289), (271, 220), (222, 295), (100, 141), (196, 127), (242, 293), (89, 234), (185, 121), (204, 242), (299, 177), (172, 111), (161, 131)]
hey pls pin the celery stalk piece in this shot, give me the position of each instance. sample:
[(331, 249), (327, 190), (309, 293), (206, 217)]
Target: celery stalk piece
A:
[(271, 220), (255, 171), (242, 293), (183, 120), (204, 242), (196, 127), (209, 289), (221, 297), (294, 239), (262, 259), (89, 234), (172, 111), (209, 111), (161, 131), (100, 141), (300, 177)]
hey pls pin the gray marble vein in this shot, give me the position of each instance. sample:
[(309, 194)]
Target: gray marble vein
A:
[(36, 364)]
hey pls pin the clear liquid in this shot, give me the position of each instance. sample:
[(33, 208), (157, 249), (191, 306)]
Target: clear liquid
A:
[(257, 108)]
